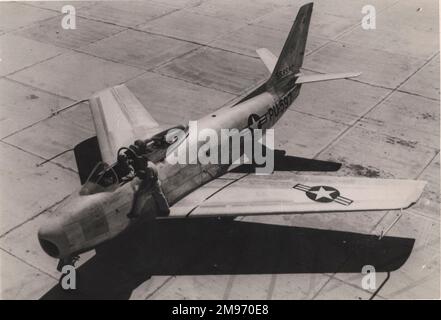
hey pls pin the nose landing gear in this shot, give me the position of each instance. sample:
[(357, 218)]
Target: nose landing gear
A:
[(68, 261), (71, 260)]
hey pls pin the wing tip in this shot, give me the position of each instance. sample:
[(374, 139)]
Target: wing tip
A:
[(416, 192)]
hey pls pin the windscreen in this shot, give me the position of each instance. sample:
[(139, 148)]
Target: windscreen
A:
[(102, 178)]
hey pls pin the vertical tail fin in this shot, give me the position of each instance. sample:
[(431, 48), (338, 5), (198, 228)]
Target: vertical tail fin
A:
[(291, 57)]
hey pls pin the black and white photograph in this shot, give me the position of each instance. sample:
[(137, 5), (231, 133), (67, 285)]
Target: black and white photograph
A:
[(220, 150)]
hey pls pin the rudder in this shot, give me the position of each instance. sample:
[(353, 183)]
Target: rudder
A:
[(291, 57)]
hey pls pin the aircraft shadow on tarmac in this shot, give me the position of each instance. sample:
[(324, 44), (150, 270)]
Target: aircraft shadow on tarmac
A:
[(210, 247), (283, 162)]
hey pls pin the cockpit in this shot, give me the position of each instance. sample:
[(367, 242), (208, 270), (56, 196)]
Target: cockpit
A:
[(102, 178), (106, 177), (103, 175)]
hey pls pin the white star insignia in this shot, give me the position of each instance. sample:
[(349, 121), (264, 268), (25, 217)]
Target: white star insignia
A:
[(322, 193)]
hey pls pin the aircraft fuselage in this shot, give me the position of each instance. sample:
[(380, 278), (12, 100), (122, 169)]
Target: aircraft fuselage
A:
[(84, 221)]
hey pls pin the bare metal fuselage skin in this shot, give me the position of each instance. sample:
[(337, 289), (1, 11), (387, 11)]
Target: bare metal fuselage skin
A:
[(82, 222)]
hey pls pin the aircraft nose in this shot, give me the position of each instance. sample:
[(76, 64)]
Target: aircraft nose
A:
[(51, 235), (52, 239)]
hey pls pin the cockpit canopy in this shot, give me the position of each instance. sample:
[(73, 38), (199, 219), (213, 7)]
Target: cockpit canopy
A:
[(105, 177), (102, 178)]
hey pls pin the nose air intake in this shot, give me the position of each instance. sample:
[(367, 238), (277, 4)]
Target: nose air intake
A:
[(52, 239), (49, 247)]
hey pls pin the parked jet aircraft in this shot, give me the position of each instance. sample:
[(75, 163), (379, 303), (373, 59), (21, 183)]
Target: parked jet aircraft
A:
[(99, 210)]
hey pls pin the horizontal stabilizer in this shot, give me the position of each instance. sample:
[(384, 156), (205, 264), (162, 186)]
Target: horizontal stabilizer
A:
[(326, 77), (268, 58)]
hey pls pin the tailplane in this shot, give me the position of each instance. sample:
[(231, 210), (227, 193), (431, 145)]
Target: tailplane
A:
[(285, 70)]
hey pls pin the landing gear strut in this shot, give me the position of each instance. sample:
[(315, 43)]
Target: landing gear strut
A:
[(67, 261), (64, 262)]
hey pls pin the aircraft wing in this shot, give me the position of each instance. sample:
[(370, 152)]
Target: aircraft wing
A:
[(119, 119), (286, 192)]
